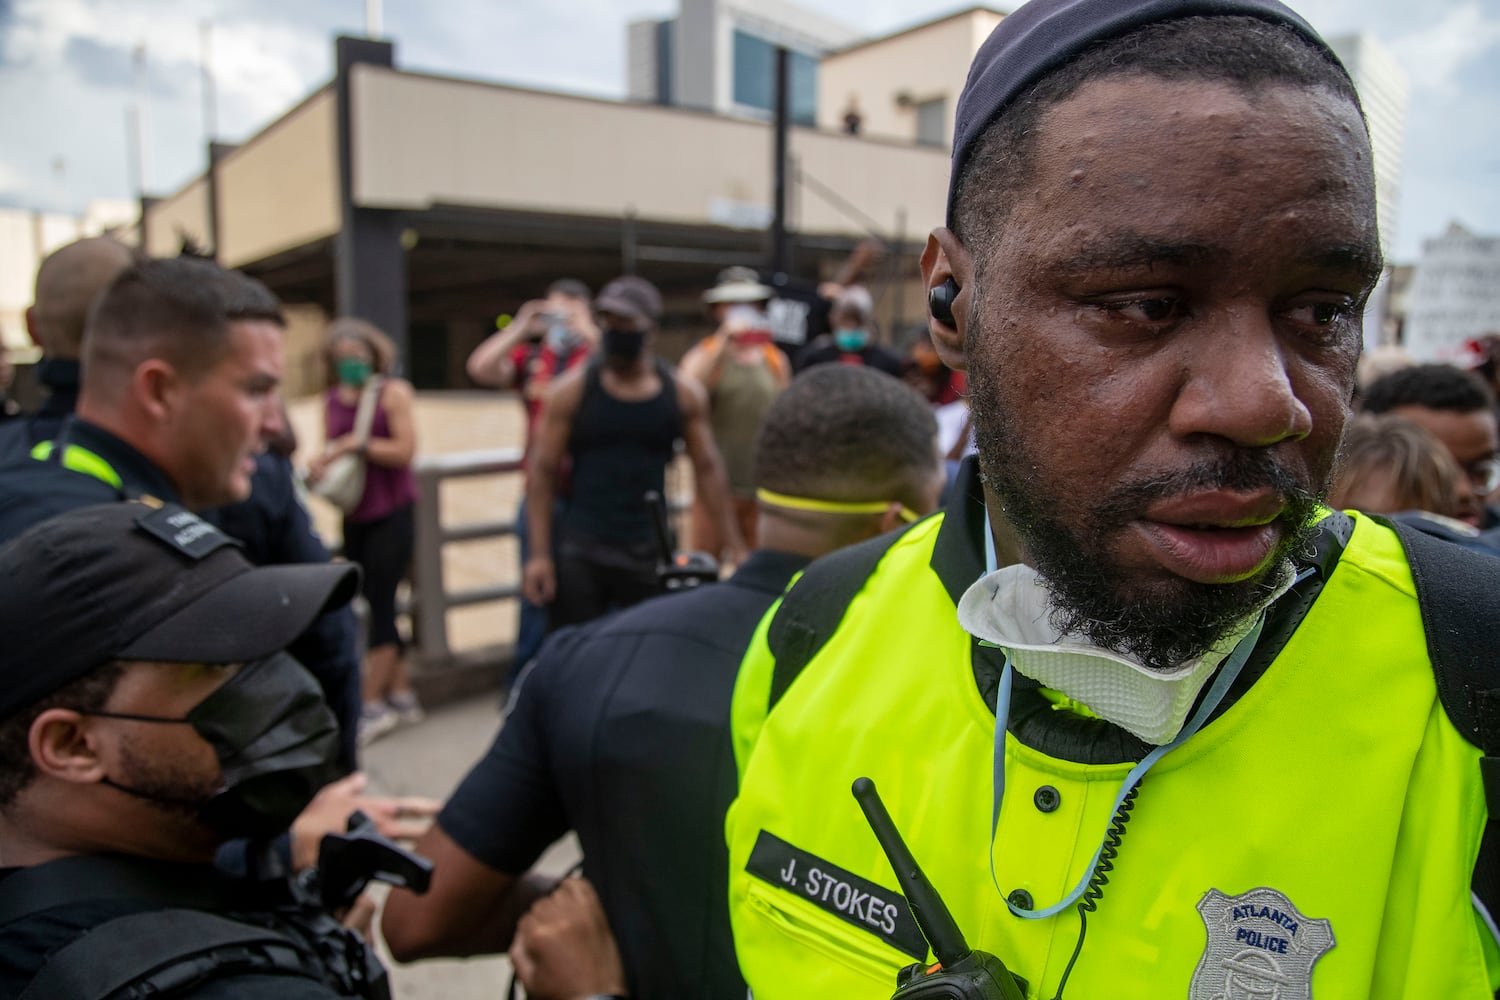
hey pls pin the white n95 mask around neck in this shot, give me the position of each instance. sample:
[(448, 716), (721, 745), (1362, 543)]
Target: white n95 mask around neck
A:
[(1011, 608)]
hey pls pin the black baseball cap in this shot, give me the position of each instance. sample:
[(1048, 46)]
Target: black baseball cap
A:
[(1044, 34), (140, 581), (630, 296)]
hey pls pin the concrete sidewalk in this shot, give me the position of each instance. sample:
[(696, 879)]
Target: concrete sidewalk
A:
[(430, 759)]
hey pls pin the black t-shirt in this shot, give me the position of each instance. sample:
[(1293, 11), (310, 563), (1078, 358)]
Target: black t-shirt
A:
[(798, 313), (620, 731)]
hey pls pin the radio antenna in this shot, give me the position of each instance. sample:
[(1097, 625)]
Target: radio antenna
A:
[(933, 919)]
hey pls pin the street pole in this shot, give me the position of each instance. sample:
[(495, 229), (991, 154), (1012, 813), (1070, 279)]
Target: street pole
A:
[(206, 56), (142, 131), (779, 254)]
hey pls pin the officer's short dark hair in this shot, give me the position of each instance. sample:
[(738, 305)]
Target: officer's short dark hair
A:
[(1433, 387), (1245, 52), (179, 309), (571, 287), (84, 694), (847, 433)]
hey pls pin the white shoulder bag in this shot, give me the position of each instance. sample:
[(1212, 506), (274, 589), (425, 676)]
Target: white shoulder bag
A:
[(343, 482)]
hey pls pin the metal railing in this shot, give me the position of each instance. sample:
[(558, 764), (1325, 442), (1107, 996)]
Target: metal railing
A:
[(431, 600), (431, 595)]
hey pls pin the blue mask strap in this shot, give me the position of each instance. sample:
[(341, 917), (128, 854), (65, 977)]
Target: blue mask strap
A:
[(1228, 673)]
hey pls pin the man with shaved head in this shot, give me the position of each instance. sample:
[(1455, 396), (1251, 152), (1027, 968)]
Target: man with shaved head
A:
[(68, 283)]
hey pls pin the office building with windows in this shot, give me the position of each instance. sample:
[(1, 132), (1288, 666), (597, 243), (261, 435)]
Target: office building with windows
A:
[(720, 55), (1383, 89)]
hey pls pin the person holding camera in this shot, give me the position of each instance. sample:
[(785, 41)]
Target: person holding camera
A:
[(547, 338)]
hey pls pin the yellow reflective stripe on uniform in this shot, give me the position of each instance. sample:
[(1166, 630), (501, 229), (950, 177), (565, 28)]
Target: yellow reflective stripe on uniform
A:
[(80, 460), (1336, 789)]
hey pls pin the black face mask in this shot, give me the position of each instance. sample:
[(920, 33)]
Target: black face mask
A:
[(623, 345), (276, 741)]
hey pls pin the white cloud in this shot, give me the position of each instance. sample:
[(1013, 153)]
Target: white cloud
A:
[(66, 77), (1435, 55), (265, 68), (12, 180)]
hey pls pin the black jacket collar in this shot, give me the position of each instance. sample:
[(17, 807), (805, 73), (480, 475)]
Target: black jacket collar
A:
[(61, 377), (138, 475), (768, 570)]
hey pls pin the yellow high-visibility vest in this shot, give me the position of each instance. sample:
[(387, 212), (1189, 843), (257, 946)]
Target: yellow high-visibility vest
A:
[(1317, 839)]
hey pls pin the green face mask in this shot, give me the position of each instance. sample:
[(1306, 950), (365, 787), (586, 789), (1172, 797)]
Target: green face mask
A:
[(851, 341), (353, 371)]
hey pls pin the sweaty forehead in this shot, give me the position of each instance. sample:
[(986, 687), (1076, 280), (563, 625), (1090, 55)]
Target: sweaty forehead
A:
[(1191, 162), (1152, 132)]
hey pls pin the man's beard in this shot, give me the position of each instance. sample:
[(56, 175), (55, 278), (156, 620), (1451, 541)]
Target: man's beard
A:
[(167, 785), (1092, 596)]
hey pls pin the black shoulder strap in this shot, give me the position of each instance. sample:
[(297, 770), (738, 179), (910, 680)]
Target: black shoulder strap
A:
[(105, 877), (1459, 595), (161, 952), (811, 611)]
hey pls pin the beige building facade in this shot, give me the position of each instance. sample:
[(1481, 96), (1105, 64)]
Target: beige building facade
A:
[(905, 86), (472, 197)]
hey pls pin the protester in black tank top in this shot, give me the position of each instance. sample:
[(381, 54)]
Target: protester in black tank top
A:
[(618, 420)]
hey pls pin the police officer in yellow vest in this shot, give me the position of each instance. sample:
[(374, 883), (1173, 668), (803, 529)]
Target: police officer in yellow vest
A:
[(1229, 762)]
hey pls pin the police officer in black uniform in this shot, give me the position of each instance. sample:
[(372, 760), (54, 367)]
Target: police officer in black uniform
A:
[(148, 712), (182, 361)]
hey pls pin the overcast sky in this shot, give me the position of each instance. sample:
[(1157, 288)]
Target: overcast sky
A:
[(67, 77)]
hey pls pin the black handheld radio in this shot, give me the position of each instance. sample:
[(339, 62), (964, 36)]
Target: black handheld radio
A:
[(677, 571), (961, 973)]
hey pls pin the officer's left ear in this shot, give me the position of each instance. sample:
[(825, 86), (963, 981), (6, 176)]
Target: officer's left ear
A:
[(154, 383), (63, 746), (946, 274)]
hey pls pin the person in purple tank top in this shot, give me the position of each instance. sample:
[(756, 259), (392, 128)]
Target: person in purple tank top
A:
[(379, 533)]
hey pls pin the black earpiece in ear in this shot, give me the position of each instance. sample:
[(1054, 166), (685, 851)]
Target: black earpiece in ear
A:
[(940, 302)]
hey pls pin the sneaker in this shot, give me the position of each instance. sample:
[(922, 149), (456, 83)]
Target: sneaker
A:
[(375, 720), (408, 710)]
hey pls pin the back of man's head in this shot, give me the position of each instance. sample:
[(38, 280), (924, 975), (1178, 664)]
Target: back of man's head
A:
[(847, 434), (68, 283), (178, 310), (1431, 387)]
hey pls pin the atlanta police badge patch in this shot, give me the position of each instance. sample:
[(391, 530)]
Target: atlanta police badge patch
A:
[(1260, 947)]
